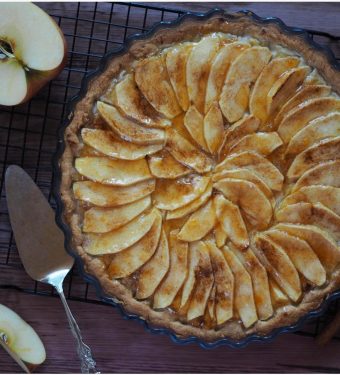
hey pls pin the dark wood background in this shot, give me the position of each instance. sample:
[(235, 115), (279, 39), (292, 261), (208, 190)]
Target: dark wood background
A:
[(119, 345)]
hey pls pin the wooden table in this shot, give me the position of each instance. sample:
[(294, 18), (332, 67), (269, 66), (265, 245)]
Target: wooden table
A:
[(119, 345)]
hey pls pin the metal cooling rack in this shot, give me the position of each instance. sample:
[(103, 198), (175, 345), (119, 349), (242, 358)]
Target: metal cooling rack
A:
[(28, 131)]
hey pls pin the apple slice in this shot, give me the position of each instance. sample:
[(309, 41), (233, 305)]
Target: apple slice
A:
[(166, 166), (176, 275), (153, 272), (298, 117), (176, 62), (108, 196), (213, 128), (29, 60), (276, 293), (302, 256), (265, 81), (199, 224), (316, 130), (152, 79), (231, 220), (193, 121), (172, 194), (243, 289), (257, 164), (187, 154), (323, 151), (242, 73), (101, 220), (210, 316), (221, 235), (126, 262), (121, 238), (279, 266), (128, 129), (250, 198)]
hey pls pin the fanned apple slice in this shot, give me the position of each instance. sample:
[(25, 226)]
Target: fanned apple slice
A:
[(108, 144), (128, 129), (301, 254), (153, 272), (244, 302), (121, 238), (198, 68), (152, 79), (319, 128), (210, 311), (298, 117), (166, 166), (224, 284), (220, 234), (131, 101), (213, 128), (218, 71), (176, 62), (230, 218), (262, 143), (277, 295), (267, 78), (326, 174), (131, 259), (319, 240), (187, 154), (108, 196), (173, 194), (250, 198), (101, 220), (279, 266), (192, 206), (307, 92), (199, 224), (325, 150), (242, 73), (174, 279), (193, 121), (256, 163), (113, 171)]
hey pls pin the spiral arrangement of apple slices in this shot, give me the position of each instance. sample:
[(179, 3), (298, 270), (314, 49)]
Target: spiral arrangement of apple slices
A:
[(215, 181)]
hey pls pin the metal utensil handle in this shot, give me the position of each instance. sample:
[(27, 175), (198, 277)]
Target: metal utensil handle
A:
[(87, 363)]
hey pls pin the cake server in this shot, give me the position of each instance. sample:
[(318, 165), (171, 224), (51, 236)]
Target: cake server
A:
[(40, 245)]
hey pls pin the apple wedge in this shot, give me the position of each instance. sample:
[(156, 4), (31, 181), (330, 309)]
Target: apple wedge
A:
[(210, 316), (113, 171), (126, 262), (221, 235), (174, 279), (213, 128), (121, 238), (193, 121), (276, 293), (108, 196), (128, 129), (166, 166), (323, 151), (101, 220), (152, 79), (242, 73)]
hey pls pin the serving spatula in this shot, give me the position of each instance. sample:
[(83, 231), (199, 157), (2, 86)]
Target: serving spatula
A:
[(40, 245)]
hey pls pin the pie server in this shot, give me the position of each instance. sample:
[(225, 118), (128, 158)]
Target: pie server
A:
[(40, 245)]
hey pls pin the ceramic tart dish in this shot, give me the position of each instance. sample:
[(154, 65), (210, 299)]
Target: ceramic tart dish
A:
[(198, 179)]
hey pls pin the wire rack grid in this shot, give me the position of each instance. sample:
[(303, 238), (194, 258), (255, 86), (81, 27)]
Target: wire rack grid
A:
[(28, 131)]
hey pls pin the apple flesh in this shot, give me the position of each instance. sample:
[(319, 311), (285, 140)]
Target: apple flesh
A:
[(32, 51), (21, 338)]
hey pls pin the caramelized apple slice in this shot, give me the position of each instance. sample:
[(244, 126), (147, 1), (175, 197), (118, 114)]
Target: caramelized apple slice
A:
[(108, 196), (128, 129), (243, 289), (243, 72), (326, 150), (213, 128), (193, 121), (220, 234), (173, 194), (320, 128), (121, 238), (210, 311), (301, 254), (166, 166), (276, 293), (176, 275), (152, 273), (130, 260), (101, 220)]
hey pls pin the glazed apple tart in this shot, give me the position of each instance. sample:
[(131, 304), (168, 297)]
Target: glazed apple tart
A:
[(201, 179)]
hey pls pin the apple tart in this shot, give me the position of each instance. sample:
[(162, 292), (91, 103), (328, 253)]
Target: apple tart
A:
[(200, 178)]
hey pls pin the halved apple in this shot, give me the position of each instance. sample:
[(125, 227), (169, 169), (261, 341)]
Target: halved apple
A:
[(166, 166), (193, 121), (32, 51), (213, 128)]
